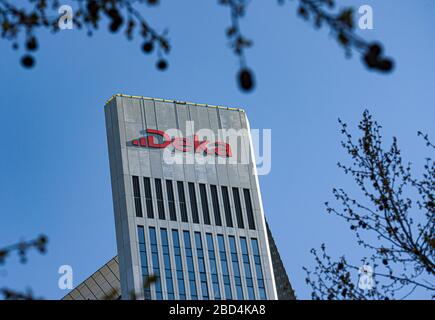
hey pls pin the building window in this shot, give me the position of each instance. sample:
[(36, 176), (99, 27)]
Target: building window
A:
[(204, 202), (238, 206), (247, 268), (143, 261), (160, 203), (190, 266), (216, 209), (258, 269), (167, 264), (148, 197), (171, 200), (224, 267), (227, 207), (236, 268), (156, 265), (213, 267), (179, 265), (193, 203), (136, 196), (182, 200), (201, 266), (249, 211)]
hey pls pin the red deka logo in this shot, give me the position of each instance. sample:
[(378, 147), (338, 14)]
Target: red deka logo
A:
[(160, 140)]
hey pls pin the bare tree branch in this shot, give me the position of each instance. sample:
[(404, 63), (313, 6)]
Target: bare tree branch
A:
[(394, 221), (19, 24)]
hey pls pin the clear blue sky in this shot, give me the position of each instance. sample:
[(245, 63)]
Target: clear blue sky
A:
[(54, 169)]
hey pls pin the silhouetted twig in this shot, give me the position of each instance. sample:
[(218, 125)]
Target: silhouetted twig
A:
[(115, 295), (20, 23), (393, 221), (40, 244), (9, 294), (23, 247)]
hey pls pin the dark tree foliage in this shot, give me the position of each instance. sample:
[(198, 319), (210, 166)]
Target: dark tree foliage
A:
[(40, 244), (114, 294), (394, 222), (9, 294), (19, 24), (21, 248)]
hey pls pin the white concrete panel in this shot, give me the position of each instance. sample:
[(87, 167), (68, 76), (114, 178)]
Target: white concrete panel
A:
[(150, 115), (133, 162), (165, 114), (156, 163), (144, 162), (132, 131), (132, 112)]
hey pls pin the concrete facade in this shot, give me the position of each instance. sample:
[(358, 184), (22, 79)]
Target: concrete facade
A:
[(104, 284), (127, 119)]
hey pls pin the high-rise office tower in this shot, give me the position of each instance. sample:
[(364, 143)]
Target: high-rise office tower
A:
[(188, 208)]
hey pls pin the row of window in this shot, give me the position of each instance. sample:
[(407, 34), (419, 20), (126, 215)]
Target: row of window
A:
[(187, 272), (182, 202)]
